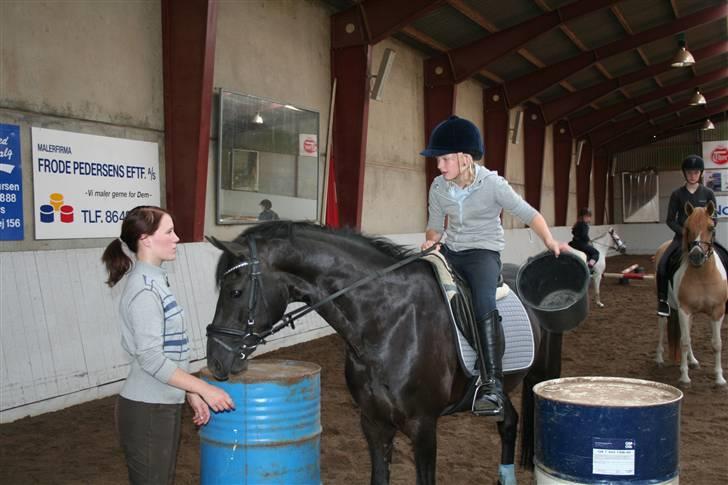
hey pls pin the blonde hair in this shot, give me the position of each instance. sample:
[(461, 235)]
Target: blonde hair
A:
[(467, 173)]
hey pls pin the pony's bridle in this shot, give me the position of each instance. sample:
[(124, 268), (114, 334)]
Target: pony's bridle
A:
[(246, 340), (702, 245)]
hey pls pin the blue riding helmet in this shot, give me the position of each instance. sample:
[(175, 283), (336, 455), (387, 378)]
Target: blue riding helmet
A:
[(455, 135)]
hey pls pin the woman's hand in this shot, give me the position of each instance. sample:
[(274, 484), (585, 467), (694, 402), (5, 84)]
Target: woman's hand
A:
[(217, 399), (200, 409), (429, 243), (556, 247)]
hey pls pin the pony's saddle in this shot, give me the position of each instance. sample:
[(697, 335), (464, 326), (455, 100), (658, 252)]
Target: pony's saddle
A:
[(518, 335)]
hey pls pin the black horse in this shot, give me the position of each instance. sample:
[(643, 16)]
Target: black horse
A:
[(401, 362)]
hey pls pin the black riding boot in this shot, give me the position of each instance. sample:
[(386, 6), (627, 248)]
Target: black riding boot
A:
[(489, 397)]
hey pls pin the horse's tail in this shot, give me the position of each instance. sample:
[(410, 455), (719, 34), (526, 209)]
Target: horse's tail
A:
[(547, 366), (673, 337)]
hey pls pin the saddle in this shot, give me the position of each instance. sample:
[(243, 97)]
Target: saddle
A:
[(518, 336)]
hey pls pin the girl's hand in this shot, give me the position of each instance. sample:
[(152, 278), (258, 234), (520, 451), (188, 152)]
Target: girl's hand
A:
[(429, 243), (217, 399), (199, 407)]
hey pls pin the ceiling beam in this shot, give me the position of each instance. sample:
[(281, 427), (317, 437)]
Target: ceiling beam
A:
[(591, 121), (531, 84), (569, 103), (371, 21), (460, 63)]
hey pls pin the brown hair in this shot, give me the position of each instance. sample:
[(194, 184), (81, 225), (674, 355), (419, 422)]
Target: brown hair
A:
[(141, 220)]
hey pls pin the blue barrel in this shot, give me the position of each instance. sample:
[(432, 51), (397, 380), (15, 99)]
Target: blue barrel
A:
[(606, 430), (274, 434)]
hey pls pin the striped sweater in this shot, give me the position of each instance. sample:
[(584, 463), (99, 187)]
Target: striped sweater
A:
[(153, 334)]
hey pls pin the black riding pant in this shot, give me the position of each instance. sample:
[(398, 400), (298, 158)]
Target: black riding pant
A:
[(149, 435), (662, 278), (481, 269), (590, 251)]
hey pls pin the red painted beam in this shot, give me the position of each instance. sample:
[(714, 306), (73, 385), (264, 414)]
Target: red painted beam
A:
[(612, 130), (586, 123), (601, 168), (534, 135), (531, 84), (646, 135), (439, 106), (188, 54), (371, 21), (610, 190), (350, 68), (571, 102), (463, 62), (583, 175), (496, 129), (562, 165)]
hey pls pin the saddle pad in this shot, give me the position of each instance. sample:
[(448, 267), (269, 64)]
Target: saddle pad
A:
[(520, 346)]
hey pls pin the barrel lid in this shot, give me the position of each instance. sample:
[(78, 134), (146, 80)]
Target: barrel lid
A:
[(266, 370), (607, 391)]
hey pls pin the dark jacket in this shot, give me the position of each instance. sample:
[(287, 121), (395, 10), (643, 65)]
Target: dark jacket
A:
[(676, 215), (580, 231)]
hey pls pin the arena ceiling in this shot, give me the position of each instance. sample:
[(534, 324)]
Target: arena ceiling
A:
[(601, 65)]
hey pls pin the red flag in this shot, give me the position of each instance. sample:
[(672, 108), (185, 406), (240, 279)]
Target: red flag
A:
[(332, 206)]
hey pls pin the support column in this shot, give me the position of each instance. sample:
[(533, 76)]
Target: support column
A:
[(439, 106), (189, 29), (350, 68), (495, 136), (534, 135), (562, 165), (601, 165), (583, 175)]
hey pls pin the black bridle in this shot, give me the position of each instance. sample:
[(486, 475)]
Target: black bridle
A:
[(246, 341)]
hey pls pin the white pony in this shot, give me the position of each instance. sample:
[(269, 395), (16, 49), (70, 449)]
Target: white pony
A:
[(608, 244)]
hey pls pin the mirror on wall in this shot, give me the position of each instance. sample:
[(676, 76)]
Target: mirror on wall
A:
[(268, 160)]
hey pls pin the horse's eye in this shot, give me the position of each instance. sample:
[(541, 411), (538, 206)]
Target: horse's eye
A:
[(236, 293)]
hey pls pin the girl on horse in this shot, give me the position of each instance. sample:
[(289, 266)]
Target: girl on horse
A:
[(581, 241), (149, 407), (698, 195), (472, 197)]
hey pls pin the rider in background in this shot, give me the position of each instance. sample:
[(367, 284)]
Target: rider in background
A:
[(581, 241), (149, 407), (472, 198), (698, 195)]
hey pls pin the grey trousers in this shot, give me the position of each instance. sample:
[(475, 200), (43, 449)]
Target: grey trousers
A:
[(149, 435)]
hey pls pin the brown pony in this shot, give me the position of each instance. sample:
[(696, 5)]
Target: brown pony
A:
[(698, 286)]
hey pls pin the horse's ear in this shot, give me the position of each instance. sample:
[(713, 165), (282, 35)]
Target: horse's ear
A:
[(228, 246), (710, 208), (689, 208)]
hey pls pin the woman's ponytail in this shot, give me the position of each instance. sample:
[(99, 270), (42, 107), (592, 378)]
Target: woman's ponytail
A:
[(116, 261)]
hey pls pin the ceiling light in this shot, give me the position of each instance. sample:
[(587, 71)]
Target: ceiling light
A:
[(698, 98), (257, 119), (683, 57), (708, 125)]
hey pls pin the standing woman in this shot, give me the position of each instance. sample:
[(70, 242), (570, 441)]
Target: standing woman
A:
[(472, 197), (149, 407)]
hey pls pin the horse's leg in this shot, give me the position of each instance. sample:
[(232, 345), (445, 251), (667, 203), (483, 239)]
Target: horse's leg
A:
[(422, 432), (685, 346), (380, 438), (717, 348), (508, 430), (597, 286), (661, 328)]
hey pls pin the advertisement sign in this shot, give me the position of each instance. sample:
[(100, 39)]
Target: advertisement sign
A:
[(307, 145), (722, 201), (11, 184), (715, 154), (83, 185), (716, 180)]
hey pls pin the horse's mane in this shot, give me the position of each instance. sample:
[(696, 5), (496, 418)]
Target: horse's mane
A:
[(289, 230)]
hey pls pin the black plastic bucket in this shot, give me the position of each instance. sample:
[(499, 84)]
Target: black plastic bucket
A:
[(555, 289)]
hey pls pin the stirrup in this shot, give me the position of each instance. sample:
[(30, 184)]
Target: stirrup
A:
[(497, 412)]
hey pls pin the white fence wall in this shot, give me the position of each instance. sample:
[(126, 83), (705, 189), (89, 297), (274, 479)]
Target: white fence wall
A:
[(59, 324)]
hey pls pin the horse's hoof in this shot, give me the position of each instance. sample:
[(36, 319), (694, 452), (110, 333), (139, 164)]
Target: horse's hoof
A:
[(660, 363), (721, 384), (694, 365), (600, 304), (684, 385)]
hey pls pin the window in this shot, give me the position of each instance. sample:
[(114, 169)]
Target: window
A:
[(267, 151)]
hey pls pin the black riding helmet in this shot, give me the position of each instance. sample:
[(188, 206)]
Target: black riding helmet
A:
[(455, 135), (693, 162)]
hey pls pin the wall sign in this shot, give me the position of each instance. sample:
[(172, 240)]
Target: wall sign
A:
[(715, 154), (83, 185), (11, 184)]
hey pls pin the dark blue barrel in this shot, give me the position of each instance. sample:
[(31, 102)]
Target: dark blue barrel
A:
[(606, 430), (273, 436)]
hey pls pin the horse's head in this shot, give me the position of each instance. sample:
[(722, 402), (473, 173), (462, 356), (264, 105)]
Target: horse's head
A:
[(617, 241), (699, 233), (251, 300)]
